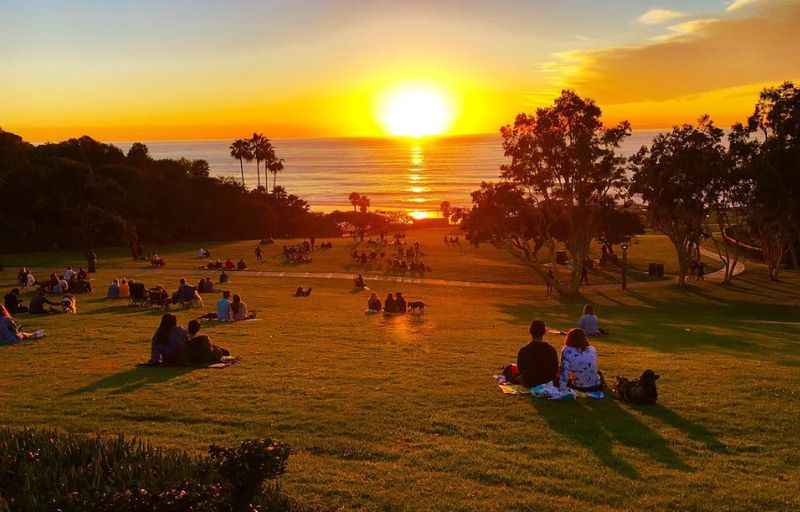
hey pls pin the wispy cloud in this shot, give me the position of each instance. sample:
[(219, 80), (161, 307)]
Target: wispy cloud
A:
[(701, 55), (739, 4), (661, 16)]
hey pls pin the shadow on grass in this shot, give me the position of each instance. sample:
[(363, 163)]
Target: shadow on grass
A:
[(702, 321), (599, 425), (133, 379), (694, 431)]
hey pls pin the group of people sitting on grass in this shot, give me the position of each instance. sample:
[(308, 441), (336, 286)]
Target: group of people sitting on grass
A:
[(394, 304), (231, 309), (156, 261), (173, 345), (228, 264), (451, 240), (538, 362), (70, 281), (299, 253), (25, 278)]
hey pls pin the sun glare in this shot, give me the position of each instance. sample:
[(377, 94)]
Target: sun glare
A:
[(415, 112)]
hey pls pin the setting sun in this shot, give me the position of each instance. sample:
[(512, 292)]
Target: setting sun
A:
[(415, 112)]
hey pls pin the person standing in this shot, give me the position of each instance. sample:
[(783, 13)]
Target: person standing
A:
[(91, 261)]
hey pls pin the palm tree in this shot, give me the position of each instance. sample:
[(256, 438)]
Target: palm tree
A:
[(354, 198), (363, 204), (446, 210), (275, 166), (240, 149), (258, 147)]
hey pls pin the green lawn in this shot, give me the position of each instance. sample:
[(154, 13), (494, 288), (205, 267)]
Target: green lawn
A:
[(402, 413)]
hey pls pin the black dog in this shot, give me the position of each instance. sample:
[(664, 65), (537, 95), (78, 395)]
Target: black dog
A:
[(641, 391), (416, 305)]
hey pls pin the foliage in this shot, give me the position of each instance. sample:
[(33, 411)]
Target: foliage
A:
[(82, 193), (766, 155), (678, 177), (46, 470), (563, 174)]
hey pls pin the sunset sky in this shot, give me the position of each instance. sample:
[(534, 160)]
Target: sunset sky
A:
[(123, 70)]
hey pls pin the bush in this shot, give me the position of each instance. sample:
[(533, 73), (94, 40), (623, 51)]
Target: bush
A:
[(46, 470)]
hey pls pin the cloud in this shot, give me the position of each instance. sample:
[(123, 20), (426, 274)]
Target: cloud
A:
[(699, 56), (660, 16), (739, 4)]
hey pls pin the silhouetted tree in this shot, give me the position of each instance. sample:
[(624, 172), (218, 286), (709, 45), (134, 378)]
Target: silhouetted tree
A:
[(240, 150), (563, 166), (676, 177), (354, 199), (275, 165), (260, 147), (363, 204), (446, 210), (766, 153)]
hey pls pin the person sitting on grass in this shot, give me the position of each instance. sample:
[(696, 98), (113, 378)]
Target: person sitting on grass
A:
[(124, 289), (224, 307), (359, 282), (241, 265), (589, 322), (374, 304), (37, 304), (224, 278), (200, 350), (400, 303), (579, 364), (239, 310), (537, 361), (113, 290), (169, 342), (390, 305), (13, 303), (229, 264)]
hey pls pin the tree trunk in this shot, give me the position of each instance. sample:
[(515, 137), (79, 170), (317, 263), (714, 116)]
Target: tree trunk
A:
[(258, 172), (241, 164), (683, 261)]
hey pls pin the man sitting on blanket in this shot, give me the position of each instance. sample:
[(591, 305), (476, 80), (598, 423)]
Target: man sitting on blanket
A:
[(538, 360)]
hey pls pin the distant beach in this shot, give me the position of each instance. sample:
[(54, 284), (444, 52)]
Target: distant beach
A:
[(397, 174)]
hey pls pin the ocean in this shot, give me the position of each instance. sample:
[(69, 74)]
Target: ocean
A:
[(396, 174)]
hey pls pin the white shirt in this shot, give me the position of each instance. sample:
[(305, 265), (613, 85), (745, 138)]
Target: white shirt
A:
[(69, 274), (581, 365)]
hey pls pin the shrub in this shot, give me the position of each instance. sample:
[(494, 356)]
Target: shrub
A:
[(46, 470)]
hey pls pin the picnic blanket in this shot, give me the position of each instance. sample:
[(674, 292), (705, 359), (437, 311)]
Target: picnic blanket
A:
[(545, 391)]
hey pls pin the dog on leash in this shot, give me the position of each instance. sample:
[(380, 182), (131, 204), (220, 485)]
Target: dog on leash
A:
[(641, 391), (416, 306)]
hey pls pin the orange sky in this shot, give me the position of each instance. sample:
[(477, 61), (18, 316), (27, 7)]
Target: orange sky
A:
[(198, 70)]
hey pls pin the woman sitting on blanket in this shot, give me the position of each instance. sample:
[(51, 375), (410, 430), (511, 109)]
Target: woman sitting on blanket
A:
[(239, 310), (579, 364), (200, 350), (374, 304), (169, 342), (589, 322)]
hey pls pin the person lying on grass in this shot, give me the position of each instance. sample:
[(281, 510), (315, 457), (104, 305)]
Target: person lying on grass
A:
[(579, 364), (169, 342), (239, 310), (537, 361), (590, 323), (200, 350), (11, 331)]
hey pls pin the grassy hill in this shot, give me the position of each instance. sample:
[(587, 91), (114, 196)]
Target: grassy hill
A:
[(402, 413)]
